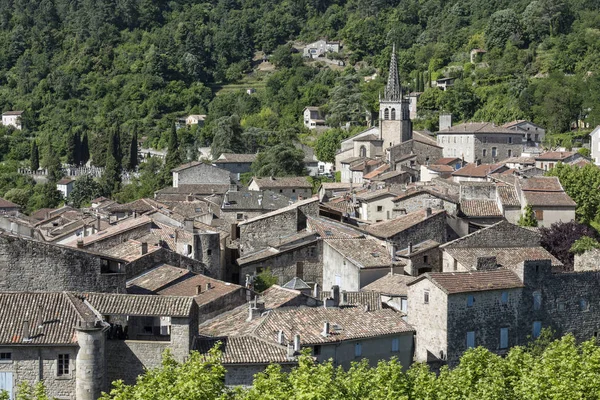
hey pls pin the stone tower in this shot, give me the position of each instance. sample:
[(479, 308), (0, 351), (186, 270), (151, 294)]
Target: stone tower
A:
[(395, 125), (89, 371)]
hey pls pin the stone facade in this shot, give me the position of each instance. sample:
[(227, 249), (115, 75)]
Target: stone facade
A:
[(200, 173), (166, 256), (28, 265), (425, 152)]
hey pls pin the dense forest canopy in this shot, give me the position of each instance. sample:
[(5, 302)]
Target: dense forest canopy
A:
[(84, 69)]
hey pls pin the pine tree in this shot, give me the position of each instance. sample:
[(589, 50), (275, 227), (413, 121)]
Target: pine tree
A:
[(34, 160), (133, 152), (84, 154)]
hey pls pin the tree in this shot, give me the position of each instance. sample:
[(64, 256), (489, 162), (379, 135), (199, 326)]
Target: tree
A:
[(561, 236), (34, 160), (111, 179), (19, 196), (133, 152), (502, 26), (528, 217), (346, 104), (328, 143), (200, 377), (53, 165), (173, 157), (583, 244), (84, 156), (280, 160), (84, 191), (227, 136), (264, 280), (577, 182), (26, 392), (72, 149), (282, 56)]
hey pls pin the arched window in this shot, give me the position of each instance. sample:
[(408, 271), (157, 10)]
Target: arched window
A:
[(393, 113), (363, 151), (386, 113)]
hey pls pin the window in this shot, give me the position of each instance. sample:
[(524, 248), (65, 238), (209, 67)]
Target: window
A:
[(510, 140), (6, 383), (560, 306), (395, 344), (357, 349), (584, 305), (485, 139), (208, 252), (425, 259), (539, 215), (551, 165), (404, 304), (494, 152), (300, 269), (188, 249), (239, 216), (503, 338), (63, 365), (293, 190), (386, 114), (317, 350), (470, 300), (504, 298), (455, 265), (537, 300), (509, 153), (484, 152), (537, 329), (379, 208), (5, 357), (426, 297), (280, 190), (393, 113), (470, 339)]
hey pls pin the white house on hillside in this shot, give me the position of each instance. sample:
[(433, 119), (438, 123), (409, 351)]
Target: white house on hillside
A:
[(595, 145), (12, 118)]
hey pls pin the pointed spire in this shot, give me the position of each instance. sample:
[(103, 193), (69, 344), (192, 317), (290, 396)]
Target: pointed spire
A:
[(393, 90)]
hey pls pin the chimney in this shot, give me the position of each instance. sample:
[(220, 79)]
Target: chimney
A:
[(344, 298), (325, 332), (134, 214), (296, 343), (188, 225), (255, 309), (40, 317), (26, 335), (97, 223), (208, 286), (144, 247), (189, 198), (410, 248), (428, 211), (316, 291), (176, 235), (79, 242), (290, 351), (367, 309), (280, 337), (198, 289), (335, 294)]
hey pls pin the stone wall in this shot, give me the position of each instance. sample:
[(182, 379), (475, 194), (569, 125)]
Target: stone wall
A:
[(478, 190), (257, 234), (500, 142), (201, 174), (433, 228), (221, 304), (588, 261), (207, 249), (421, 201), (425, 153), (28, 265), (502, 235), (286, 264), (32, 364), (165, 256), (109, 242)]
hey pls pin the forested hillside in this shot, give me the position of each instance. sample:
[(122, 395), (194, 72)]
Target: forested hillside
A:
[(84, 68)]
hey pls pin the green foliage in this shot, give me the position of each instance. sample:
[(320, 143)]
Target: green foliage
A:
[(328, 143), (528, 219), (85, 189), (34, 160), (145, 185), (111, 179), (281, 160), (577, 182), (132, 161), (227, 136), (264, 280), (584, 151), (584, 244), (19, 196), (24, 391)]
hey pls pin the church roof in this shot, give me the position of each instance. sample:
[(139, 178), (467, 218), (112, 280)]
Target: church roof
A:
[(393, 90)]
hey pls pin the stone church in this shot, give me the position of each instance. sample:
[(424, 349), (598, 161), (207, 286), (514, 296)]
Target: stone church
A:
[(393, 141)]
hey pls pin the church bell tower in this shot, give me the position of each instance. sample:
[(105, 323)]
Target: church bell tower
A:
[(395, 125)]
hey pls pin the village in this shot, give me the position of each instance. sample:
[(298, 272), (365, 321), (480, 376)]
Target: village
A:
[(418, 252)]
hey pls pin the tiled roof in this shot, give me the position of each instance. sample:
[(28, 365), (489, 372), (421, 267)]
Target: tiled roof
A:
[(474, 281), (8, 204), (541, 184), (335, 185), (368, 138), (508, 196), (254, 200), (41, 214), (392, 284), (186, 166), (507, 257), (555, 155), (123, 226), (140, 305), (329, 229), (519, 160), (201, 189), (156, 278), (139, 206), (65, 181), (447, 161), (386, 229), (351, 160), (477, 171), (559, 199), (235, 158), (513, 123), (418, 248), (57, 313), (379, 170), (440, 168), (12, 113), (365, 253), (480, 208), (477, 127), (346, 323), (280, 211), (389, 175), (189, 287), (245, 350), (374, 194), (282, 182), (370, 299)]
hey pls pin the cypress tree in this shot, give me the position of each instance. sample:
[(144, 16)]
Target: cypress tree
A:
[(77, 153), (133, 151), (111, 179), (72, 149), (55, 172), (34, 159), (173, 158), (84, 154)]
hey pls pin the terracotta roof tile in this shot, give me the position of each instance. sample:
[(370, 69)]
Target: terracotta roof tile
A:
[(475, 281), (386, 229), (555, 155), (393, 284), (477, 171), (283, 182), (235, 158), (245, 350), (508, 196), (140, 305), (508, 257), (480, 208), (365, 253), (370, 299)]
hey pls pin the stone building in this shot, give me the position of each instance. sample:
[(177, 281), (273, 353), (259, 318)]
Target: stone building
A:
[(313, 118), (534, 134), (477, 172), (197, 173), (483, 142), (548, 160), (8, 206), (500, 308), (375, 205), (294, 188), (236, 164), (241, 205), (392, 289), (328, 190)]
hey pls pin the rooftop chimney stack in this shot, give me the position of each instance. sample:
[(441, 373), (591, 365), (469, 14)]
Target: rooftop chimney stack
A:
[(79, 242), (410, 248), (208, 286), (344, 298), (290, 351), (335, 294), (325, 332), (98, 223), (198, 290), (144, 248), (281, 337), (296, 343), (428, 211), (316, 291), (26, 334)]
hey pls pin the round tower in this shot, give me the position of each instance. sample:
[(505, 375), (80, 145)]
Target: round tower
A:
[(89, 366)]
